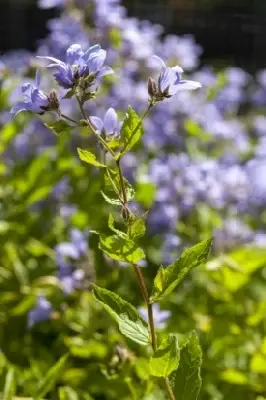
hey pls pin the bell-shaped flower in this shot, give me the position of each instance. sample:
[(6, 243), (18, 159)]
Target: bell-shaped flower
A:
[(80, 64), (170, 80), (109, 125), (35, 99)]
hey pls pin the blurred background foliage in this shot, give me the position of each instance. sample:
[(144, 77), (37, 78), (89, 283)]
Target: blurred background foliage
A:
[(200, 169)]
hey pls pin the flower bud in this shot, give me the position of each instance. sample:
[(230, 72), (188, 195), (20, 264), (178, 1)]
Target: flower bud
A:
[(53, 101), (152, 89)]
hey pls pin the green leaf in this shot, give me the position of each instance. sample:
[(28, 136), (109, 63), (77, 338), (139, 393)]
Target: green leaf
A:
[(131, 131), (115, 202), (168, 278), (10, 385), (145, 193), (186, 380), (166, 358), (121, 249), (137, 227), (67, 393), (111, 225), (60, 127), (69, 94), (50, 379), (130, 323), (89, 158), (112, 189)]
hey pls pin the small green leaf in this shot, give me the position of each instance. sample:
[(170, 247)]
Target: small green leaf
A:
[(60, 127), (121, 248), (168, 278), (131, 131), (69, 94), (67, 393), (112, 187), (166, 358), (89, 158), (111, 225), (115, 202), (10, 385), (137, 227), (50, 379), (186, 380), (130, 323)]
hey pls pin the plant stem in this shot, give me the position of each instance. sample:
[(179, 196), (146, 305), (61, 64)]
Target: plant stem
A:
[(168, 389), (91, 127), (69, 119), (138, 272)]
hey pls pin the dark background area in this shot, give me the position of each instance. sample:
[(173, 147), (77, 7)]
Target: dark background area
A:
[(230, 31)]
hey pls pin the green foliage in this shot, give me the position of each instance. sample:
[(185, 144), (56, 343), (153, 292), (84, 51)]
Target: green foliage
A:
[(50, 379), (119, 247), (10, 385), (89, 158), (186, 381), (168, 278), (60, 127), (131, 131), (129, 322), (166, 358)]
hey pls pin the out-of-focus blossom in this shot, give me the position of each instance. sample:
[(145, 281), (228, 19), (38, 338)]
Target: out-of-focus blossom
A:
[(51, 3), (160, 317), (40, 312)]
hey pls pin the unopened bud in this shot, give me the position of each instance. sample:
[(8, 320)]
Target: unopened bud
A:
[(152, 89), (53, 101)]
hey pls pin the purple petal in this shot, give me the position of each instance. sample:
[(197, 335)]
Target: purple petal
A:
[(110, 121), (22, 106), (38, 78), (187, 85), (96, 61), (74, 53), (55, 60), (97, 122), (93, 49), (105, 71), (157, 58), (167, 80)]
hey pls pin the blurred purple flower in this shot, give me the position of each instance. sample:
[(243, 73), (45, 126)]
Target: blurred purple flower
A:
[(51, 3), (35, 99), (40, 312), (160, 316)]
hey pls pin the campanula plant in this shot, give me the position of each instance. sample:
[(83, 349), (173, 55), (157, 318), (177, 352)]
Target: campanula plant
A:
[(172, 354)]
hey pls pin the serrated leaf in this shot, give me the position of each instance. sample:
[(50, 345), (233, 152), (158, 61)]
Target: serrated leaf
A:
[(166, 358), (168, 278), (89, 158), (186, 380), (131, 131), (130, 323), (111, 225), (50, 379), (112, 187), (10, 385), (137, 227), (60, 127), (115, 202), (121, 248)]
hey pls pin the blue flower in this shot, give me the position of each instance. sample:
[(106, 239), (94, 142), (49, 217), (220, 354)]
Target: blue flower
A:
[(170, 81), (78, 65), (41, 312), (109, 125), (50, 3), (35, 99)]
